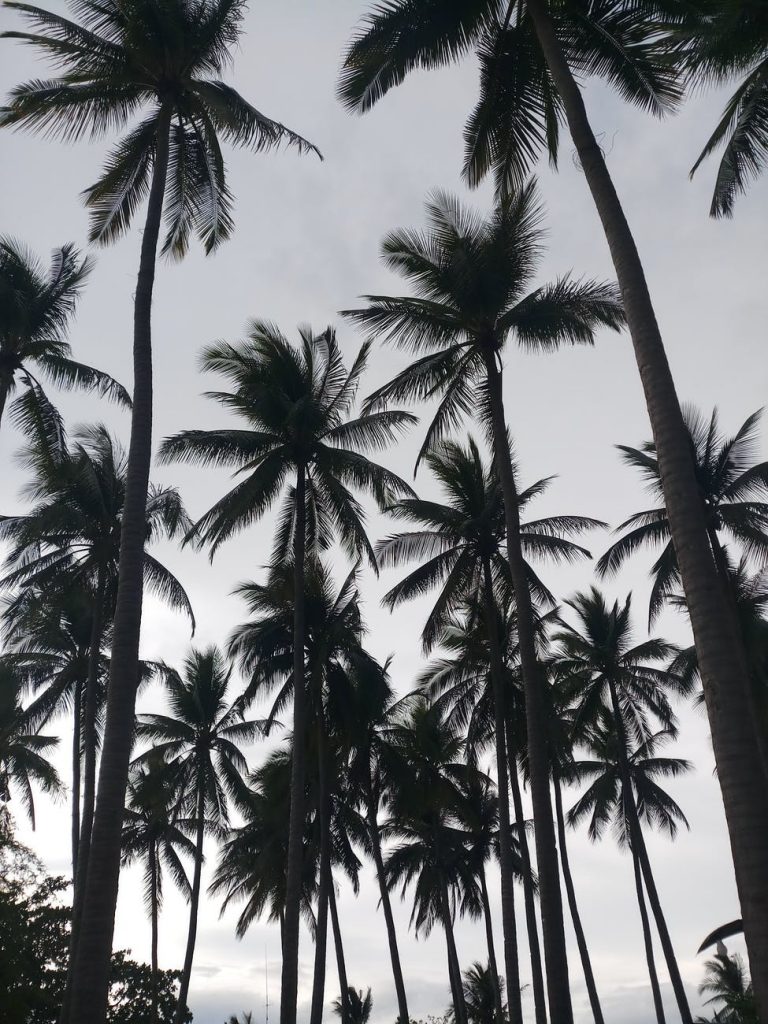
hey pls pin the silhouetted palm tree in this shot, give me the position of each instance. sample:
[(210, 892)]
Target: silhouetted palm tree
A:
[(358, 1006), (164, 56), (36, 308), (727, 983), (479, 995)]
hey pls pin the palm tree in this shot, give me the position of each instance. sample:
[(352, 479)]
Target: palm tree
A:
[(529, 52), (164, 57), (295, 401), (622, 681), (23, 751), (727, 982), (36, 308), (358, 1006), (462, 542), (480, 995), (720, 43), (201, 738), (152, 833), (732, 488)]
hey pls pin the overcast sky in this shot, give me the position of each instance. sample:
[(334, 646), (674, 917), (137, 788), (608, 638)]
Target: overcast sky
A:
[(306, 245)]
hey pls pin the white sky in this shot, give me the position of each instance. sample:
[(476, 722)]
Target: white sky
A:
[(306, 245)]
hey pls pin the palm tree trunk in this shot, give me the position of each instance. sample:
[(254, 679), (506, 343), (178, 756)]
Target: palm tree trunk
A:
[(76, 732), (511, 956), (581, 941), (638, 845), (648, 939), (4, 389), (552, 925), (194, 902), (386, 905), (154, 916), (290, 971), (720, 651), (90, 967), (493, 967), (321, 929), (529, 897), (454, 970), (341, 963)]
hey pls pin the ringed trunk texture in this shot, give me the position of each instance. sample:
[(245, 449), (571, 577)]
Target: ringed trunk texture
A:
[(338, 945), (290, 971), (581, 941), (493, 967), (194, 904), (529, 897), (552, 925), (719, 648), (648, 940), (90, 971), (321, 929), (454, 970), (386, 906)]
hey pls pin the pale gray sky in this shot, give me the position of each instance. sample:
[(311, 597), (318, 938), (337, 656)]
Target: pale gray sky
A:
[(306, 245)]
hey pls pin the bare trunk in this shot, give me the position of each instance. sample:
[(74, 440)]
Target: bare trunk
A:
[(90, 967), (454, 970), (492, 965), (511, 956), (194, 902), (290, 972), (341, 963), (555, 955), (154, 916), (76, 732), (321, 929), (720, 652), (529, 896), (386, 906), (581, 940), (648, 940)]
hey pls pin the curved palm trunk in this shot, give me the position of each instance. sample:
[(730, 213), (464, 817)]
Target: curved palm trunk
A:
[(529, 897), (90, 967), (552, 926), (154, 916), (720, 652), (492, 965), (386, 905), (341, 963), (194, 903), (581, 941), (639, 851), (76, 732), (454, 970), (321, 930), (511, 957), (648, 940), (290, 971)]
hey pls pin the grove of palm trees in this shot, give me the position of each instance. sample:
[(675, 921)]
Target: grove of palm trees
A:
[(384, 512)]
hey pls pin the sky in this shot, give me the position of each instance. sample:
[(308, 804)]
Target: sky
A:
[(307, 245)]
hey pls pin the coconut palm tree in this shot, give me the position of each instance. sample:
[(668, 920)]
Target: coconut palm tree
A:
[(23, 751), (358, 1006), (154, 834), (480, 995), (164, 58), (623, 681), (202, 738), (36, 308), (296, 403), (462, 542), (721, 43), (727, 983), (533, 54), (472, 279)]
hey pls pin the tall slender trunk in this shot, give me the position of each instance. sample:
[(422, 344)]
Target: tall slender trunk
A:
[(720, 651), (4, 389), (341, 962), (321, 928), (194, 902), (638, 845), (289, 981), (493, 967), (552, 925), (153, 892), (90, 966), (648, 940), (581, 941), (454, 970), (529, 896), (76, 753), (386, 904), (511, 956)]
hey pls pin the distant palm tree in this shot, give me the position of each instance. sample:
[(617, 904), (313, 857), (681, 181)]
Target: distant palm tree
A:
[(23, 751), (296, 402), (358, 1006), (202, 739), (473, 284), (164, 56), (152, 834), (480, 996), (727, 983), (36, 307)]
